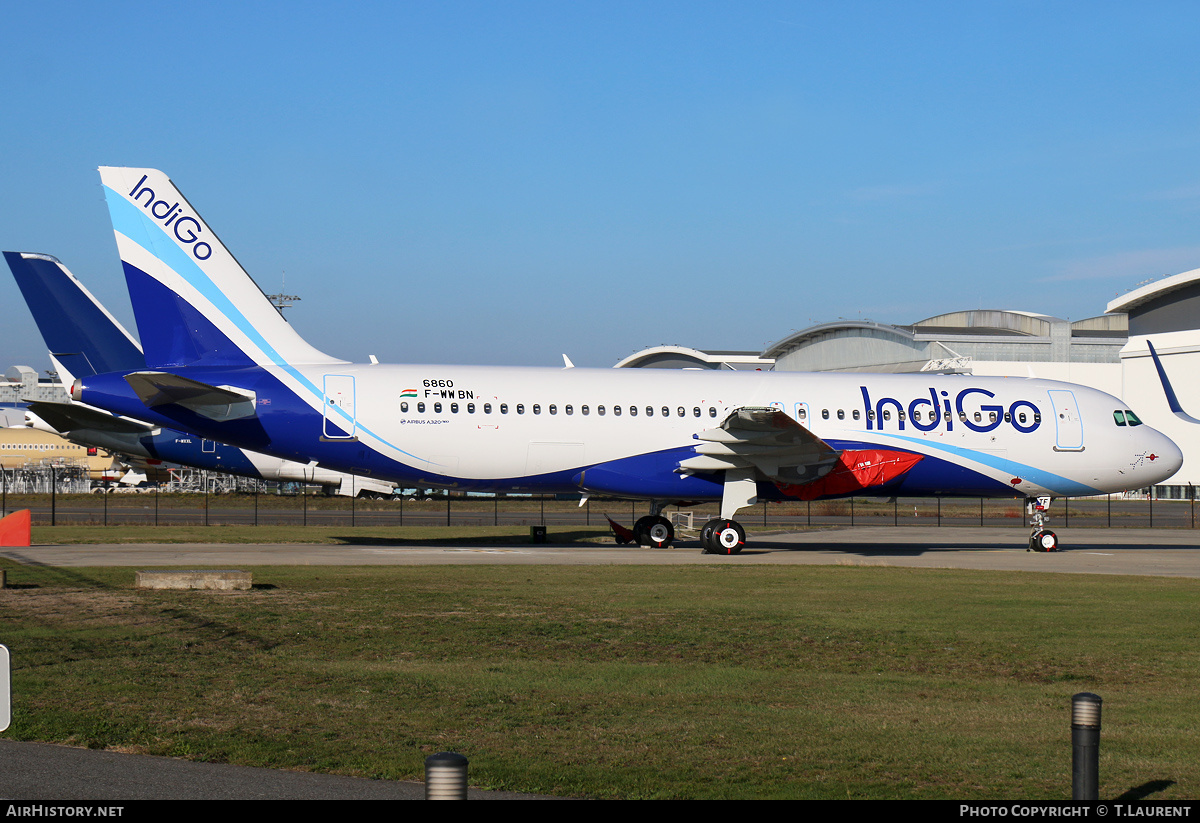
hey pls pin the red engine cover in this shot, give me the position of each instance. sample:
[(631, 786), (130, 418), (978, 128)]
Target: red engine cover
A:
[(854, 471)]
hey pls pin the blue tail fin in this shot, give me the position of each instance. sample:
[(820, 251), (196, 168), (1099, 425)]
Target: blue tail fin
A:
[(83, 338), (193, 301), (1172, 400)]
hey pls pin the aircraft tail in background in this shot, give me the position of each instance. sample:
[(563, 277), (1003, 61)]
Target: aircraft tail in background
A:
[(84, 339), (194, 303)]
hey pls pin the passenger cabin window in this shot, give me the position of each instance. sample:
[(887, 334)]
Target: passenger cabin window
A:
[(421, 408), (824, 414), (682, 412), (537, 409), (583, 409), (712, 412), (600, 410), (666, 412), (504, 408), (696, 411), (855, 413), (470, 408), (404, 409), (437, 408), (569, 409), (633, 411), (841, 414), (487, 408), (520, 408), (553, 409), (454, 408), (617, 411)]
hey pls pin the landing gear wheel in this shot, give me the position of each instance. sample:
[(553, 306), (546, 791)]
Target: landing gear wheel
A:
[(724, 536), (656, 532), (1043, 540)]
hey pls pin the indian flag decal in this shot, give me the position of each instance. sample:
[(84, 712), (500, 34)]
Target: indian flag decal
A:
[(409, 393)]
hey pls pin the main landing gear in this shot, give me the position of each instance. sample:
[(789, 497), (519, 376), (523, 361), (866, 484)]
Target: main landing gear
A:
[(654, 530), (1041, 539), (722, 536)]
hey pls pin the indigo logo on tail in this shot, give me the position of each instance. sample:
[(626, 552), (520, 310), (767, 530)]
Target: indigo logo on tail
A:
[(185, 227)]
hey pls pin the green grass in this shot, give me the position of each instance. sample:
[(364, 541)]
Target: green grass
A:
[(804, 682)]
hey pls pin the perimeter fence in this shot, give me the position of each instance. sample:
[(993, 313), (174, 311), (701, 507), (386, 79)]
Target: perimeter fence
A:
[(260, 508)]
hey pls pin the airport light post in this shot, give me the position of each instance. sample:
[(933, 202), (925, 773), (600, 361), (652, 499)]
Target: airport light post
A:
[(446, 776), (1085, 746)]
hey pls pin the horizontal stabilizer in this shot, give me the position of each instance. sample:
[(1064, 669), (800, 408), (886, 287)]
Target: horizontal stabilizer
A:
[(66, 417), (214, 402)]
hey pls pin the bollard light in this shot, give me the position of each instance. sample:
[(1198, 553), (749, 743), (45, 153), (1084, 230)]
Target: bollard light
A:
[(1085, 746), (446, 776)]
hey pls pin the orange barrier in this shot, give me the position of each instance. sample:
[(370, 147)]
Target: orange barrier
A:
[(15, 529)]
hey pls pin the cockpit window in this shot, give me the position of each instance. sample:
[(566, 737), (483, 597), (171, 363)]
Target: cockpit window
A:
[(1132, 418), (1119, 416)]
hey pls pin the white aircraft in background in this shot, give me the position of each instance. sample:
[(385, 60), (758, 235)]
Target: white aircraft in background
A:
[(223, 363), (83, 339)]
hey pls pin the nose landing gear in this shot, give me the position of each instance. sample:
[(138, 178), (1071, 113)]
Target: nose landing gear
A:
[(1041, 539)]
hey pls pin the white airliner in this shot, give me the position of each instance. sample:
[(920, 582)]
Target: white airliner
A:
[(222, 362)]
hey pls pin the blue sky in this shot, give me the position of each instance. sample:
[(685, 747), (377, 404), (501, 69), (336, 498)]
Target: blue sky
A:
[(501, 182)]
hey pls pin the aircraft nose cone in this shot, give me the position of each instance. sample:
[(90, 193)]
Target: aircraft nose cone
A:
[(1165, 457)]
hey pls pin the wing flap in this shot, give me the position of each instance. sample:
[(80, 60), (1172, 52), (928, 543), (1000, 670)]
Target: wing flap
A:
[(764, 439)]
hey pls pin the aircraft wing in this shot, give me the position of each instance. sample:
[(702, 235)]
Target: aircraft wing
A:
[(156, 388), (66, 417), (766, 440)]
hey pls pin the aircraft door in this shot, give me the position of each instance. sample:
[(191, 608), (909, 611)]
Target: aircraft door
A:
[(208, 447), (1067, 421), (802, 414), (339, 422)]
